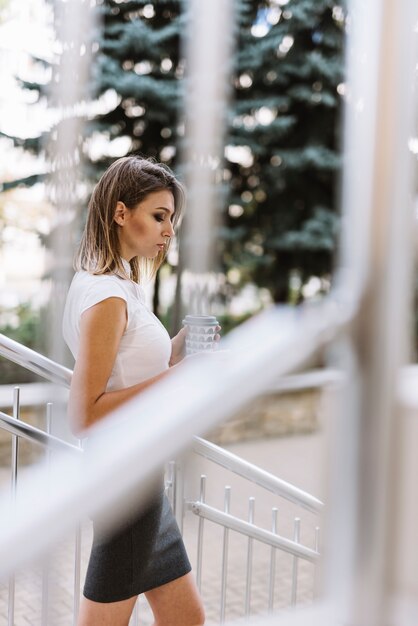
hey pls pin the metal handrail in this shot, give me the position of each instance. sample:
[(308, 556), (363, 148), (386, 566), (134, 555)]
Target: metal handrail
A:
[(255, 474), (172, 411), (255, 532), (35, 362), (35, 435)]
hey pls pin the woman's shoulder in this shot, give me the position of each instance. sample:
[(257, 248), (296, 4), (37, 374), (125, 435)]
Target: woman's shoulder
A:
[(99, 286), (86, 279)]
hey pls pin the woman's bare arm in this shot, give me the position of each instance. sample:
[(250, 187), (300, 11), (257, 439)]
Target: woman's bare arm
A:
[(101, 330)]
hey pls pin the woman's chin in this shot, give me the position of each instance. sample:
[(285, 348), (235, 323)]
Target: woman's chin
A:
[(152, 256)]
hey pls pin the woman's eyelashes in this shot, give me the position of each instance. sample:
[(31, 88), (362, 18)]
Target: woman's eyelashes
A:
[(160, 217)]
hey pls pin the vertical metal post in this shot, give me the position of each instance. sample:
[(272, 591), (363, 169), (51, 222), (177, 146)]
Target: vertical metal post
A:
[(227, 503), (200, 535), (77, 565), (45, 566), (45, 593), (317, 549), (251, 504), (272, 576), (296, 538), (14, 466), (377, 261), (317, 539)]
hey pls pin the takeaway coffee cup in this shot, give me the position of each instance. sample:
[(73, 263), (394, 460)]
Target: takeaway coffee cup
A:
[(200, 333)]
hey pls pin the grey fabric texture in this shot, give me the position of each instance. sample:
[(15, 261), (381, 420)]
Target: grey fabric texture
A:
[(145, 552)]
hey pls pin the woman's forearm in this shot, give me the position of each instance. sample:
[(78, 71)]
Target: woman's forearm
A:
[(84, 414)]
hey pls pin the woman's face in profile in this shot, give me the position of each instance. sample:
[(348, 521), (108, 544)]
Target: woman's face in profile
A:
[(144, 230)]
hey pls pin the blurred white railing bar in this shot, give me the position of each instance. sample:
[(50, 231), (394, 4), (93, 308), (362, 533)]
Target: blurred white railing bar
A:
[(75, 23), (208, 52), (377, 263)]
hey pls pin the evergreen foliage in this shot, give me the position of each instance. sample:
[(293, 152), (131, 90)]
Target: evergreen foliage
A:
[(286, 111), (139, 58), (282, 156)]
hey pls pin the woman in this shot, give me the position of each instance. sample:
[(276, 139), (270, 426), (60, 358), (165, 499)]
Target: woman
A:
[(120, 349)]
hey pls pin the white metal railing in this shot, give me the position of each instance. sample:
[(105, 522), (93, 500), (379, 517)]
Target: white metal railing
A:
[(19, 429), (229, 522)]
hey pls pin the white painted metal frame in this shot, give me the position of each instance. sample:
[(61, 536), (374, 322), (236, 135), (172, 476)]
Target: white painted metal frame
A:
[(376, 266)]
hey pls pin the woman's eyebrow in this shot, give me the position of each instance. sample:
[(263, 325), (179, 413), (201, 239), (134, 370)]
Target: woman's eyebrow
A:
[(163, 208)]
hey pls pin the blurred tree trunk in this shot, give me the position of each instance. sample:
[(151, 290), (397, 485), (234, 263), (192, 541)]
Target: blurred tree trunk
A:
[(156, 295)]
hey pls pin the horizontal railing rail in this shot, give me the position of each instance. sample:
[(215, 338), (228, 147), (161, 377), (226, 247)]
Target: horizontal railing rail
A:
[(35, 435), (33, 361), (255, 474), (226, 520)]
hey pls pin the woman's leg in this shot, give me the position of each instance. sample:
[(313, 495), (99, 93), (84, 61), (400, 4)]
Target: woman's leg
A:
[(177, 603), (105, 613)]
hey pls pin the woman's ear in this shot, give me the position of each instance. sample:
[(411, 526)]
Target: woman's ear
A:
[(120, 213)]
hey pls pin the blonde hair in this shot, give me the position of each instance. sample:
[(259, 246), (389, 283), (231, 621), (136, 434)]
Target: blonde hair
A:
[(129, 180)]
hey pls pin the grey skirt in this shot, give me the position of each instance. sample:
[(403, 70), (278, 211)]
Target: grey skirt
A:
[(147, 551)]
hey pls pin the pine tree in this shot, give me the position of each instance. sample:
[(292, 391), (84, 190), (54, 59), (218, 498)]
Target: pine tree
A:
[(286, 113), (139, 58), (281, 178)]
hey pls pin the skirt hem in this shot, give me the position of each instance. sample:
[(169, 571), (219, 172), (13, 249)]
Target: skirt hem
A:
[(165, 581)]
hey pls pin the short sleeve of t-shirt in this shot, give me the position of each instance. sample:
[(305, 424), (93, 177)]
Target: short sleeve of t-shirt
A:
[(145, 346), (101, 290)]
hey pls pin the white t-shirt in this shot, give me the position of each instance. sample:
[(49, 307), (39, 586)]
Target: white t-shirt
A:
[(145, 347)]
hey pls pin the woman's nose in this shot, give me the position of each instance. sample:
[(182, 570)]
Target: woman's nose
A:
[(169, 231)]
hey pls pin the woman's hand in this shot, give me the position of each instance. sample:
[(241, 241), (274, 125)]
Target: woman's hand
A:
[(178, 345)]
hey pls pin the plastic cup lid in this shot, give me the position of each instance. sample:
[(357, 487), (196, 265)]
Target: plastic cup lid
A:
[(200, 320)]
